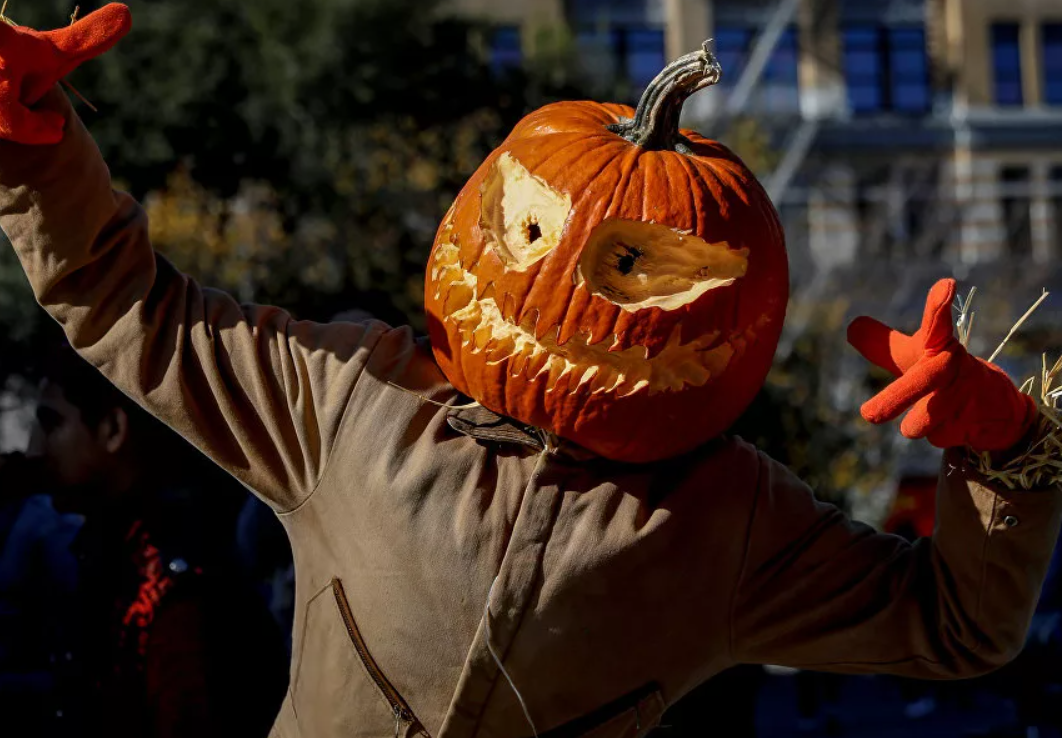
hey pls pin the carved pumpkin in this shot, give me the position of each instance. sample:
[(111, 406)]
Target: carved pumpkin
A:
[(610, 278)]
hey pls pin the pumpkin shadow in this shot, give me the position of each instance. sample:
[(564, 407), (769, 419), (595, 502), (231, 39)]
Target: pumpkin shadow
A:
[(435, 328)]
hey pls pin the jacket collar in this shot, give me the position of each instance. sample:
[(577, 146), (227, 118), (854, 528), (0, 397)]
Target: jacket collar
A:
[(484, 425)]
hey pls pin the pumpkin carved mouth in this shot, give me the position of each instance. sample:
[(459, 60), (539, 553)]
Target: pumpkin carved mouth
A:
[(570, 366)]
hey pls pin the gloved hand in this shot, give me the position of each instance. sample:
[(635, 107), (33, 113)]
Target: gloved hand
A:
[(31, 62), (955, 399)]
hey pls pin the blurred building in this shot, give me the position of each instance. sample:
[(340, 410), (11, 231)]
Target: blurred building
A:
[(911, 132), (906, 140)]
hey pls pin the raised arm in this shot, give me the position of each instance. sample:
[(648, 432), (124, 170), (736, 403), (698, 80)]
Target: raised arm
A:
[(260, 393)]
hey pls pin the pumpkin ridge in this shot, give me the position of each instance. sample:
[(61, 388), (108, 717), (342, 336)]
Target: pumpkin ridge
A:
[(697, 197), (577, 138), (620, 196), (726, 181), (607, 160)]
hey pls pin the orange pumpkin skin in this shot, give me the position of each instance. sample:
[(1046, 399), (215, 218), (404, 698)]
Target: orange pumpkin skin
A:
[(730, 330)]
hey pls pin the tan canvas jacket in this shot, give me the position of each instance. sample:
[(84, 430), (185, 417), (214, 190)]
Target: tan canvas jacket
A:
[(432, 544)]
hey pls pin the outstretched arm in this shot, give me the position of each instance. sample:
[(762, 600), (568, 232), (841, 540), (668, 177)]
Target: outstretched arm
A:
[(260, 393), (819, 591), (822, 592)]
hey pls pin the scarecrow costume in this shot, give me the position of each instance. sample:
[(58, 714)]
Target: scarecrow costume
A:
[(465, 571)]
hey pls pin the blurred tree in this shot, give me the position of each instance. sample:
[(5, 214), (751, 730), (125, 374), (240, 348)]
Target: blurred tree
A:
[(807, 415), (302, 153), (752, 142)]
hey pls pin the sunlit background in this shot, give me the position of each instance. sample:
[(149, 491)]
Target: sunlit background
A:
[(302, 152)]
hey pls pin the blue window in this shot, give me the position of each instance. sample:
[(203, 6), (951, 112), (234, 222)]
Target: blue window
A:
[(1056, 205), (864, 69), (886, 69), (1053, 63), (1006, 63), (732, 51), (634, 54), (505, 49), (779, 88), (909, 67), (644, 56), (781, 83)]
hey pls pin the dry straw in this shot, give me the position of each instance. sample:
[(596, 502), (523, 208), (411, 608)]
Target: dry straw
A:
[(1040, 465)]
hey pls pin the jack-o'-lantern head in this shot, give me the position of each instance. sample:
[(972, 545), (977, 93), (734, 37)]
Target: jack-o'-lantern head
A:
[(610, 278)]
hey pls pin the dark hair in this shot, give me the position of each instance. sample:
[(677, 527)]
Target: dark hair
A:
[(89, 391), (94, 396)]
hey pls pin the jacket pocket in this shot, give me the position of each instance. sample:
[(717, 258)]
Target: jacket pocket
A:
[(338, 689), (403, 714)]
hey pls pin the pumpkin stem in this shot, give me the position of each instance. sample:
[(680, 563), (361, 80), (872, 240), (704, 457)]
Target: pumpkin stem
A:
[(656, 122)]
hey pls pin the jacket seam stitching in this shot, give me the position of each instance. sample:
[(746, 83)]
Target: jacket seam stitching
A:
[(978, 641), (529, 489)]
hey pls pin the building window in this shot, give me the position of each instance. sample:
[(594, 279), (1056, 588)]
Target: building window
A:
[(909, 64), (732, 51), (1056, 206), (779, 87), (864, 69), (1006, 64), (886, 69), (505, 49), (1052, 42), (781, 81), (1017, 210), (642, 52), (632, 53)]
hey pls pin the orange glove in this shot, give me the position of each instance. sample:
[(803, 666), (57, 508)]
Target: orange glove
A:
[(955, 399), (31, 62)]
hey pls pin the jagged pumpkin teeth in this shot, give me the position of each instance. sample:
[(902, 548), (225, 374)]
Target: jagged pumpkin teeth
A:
[(604, 379), (669, 323), (482, 337), (640, 385), (587, 376), (557, 368), (460, 296), (501, 349), (519, 362), (537, 362)]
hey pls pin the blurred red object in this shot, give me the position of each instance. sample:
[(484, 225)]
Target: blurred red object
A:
[(914, 511)]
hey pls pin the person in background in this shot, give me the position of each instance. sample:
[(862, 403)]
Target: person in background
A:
[(266, 556), (37, 581), (173, 644)]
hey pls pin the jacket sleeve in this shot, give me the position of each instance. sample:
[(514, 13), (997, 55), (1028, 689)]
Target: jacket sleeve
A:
[(822, 592), (260, 393)]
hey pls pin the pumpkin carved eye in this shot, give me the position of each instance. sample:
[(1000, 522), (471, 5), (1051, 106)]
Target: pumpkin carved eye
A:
[(522, 217), (639, 265)]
